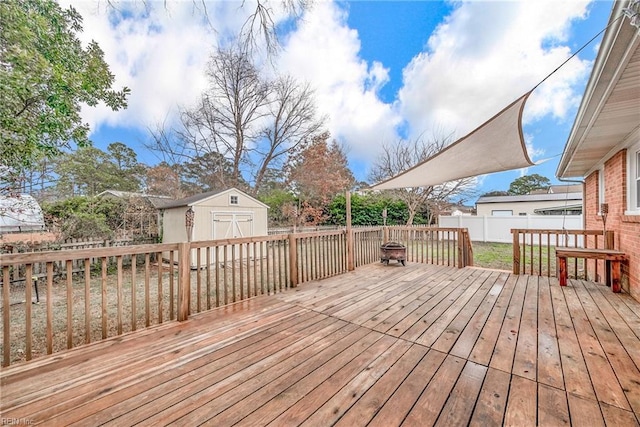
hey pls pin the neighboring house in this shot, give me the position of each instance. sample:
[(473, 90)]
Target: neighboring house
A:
[(530, 204), (604, 145), (559, 189), (20, 214), (455, 209)]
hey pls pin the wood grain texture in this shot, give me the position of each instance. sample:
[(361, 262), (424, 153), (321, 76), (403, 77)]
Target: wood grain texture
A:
[(350, 351)]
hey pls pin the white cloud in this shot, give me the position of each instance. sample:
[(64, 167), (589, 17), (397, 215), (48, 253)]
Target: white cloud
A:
[(158, 50), (325, 52), (484, 56)]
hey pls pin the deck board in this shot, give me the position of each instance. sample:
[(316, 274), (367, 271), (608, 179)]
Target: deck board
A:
[(380, 346), (574, 368)]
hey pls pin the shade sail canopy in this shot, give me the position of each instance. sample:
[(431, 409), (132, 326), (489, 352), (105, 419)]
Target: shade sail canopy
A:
[(495, 146)]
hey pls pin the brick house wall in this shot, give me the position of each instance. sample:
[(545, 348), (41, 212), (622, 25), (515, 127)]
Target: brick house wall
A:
[(626, 227)]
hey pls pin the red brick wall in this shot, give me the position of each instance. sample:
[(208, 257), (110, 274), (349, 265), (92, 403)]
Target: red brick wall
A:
[(626, 227)]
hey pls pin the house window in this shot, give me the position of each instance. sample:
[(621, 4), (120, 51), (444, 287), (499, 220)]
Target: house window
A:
[(501, 212), (233, 200)]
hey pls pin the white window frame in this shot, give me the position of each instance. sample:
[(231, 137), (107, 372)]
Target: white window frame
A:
[(234, 199), (633, 180), (601, 193)]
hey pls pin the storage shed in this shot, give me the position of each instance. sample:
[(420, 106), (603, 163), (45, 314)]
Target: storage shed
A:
[(224, 214)]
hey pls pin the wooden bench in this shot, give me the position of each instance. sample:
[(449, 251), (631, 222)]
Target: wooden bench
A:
[(611, 258)]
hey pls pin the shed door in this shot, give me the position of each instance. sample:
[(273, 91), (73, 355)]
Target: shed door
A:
[(229, 225)]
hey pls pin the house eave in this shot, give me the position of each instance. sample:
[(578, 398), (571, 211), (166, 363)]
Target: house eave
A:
[(610, 107)]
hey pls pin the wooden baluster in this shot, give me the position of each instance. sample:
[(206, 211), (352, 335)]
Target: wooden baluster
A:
[(216, 254), (134, 284), (262, 268), (27, 312), (105, 301), (224, 275), (198, 280), (233, 272), (147, 290), (161, 288), (87, 300), (119, 295), (248, 267), (208, 281), (49, 308), (268, 267), (69, 303)]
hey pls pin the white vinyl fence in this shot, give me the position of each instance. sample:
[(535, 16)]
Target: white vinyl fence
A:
[(498, 228)]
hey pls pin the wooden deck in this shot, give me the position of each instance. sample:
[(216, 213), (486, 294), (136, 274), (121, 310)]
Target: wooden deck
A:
[(381, 346)]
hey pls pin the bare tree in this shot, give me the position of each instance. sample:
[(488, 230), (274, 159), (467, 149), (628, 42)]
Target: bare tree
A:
[(292, 123), (251, 124), (259, 29), (402, 155), (224, 120), (228, 114), (260, 24)]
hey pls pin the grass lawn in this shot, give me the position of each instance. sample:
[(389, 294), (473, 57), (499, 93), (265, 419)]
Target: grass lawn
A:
[(493, 255)]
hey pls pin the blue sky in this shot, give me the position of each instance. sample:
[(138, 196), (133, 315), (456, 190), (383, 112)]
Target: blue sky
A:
[(382, 70)]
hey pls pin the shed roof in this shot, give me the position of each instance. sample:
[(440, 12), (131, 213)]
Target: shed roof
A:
[(198, 198)]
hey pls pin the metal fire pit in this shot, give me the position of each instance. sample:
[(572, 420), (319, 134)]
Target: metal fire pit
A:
[(393, 250)]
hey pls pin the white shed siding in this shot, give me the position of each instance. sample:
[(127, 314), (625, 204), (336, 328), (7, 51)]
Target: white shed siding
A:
[(216, 217)]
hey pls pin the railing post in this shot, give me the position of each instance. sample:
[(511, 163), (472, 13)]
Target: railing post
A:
[(460, 249), (516, 250), (6, 315), (350, 248), (609, 239), (467, 249), (293, 260), (184, 285)]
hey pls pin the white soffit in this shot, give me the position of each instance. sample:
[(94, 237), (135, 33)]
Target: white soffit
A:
[(495, 146), (610, 107)]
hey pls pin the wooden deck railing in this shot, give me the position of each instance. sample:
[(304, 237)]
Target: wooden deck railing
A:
[(534, 251), (92, 294), (367, 242), (112, 293), (442, 246)]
